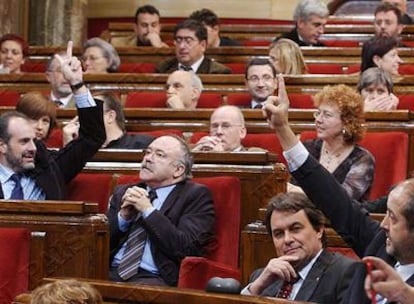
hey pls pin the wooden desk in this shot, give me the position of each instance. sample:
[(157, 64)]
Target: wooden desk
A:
[(76, 237)]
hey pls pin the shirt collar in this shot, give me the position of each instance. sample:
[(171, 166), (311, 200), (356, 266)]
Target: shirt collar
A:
[(5, 173), (303, 273), (64, 100), (195, 65)]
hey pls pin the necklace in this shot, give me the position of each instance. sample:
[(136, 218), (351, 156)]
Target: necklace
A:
[(331, 159)]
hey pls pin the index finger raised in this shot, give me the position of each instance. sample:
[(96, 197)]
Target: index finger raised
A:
[(69, 49), (282, 94)]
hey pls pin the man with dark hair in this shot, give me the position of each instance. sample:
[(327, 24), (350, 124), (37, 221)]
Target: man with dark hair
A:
[(190, 38), (260, 80), (391, 240), (310, 17), (297, 228), (156, 223), (388, 21), (402, 6), (147, 29), (211, 22)]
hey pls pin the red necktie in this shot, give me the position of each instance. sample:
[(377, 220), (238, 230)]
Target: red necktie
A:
[(286, 289)]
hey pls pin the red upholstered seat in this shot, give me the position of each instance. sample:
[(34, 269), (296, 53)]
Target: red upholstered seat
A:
[(14, 263), (9, 98), (158, 99), (390, 150), (236, 67), (353, 68), (239, 99), (223, 258), (157, 133), (137, 67), (406, 69), (325, 68), (92, 187), (406, 102), (34, 67), (55, 139), (301, 101), (341, 43)]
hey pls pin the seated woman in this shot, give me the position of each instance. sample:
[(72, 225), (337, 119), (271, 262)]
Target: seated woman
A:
[(339, 126), (41, 110), (13, 50), (287, 58), (381, 52), (375, 85), (99, 57)]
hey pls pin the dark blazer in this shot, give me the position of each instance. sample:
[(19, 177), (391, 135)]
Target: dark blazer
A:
[(293, 35), (183, 227), (348, 219), (131, 141), (54, 169), (208, 66), (326, 282)]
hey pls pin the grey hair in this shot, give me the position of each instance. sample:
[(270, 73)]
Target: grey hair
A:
[(232, 108), (196, 82), (375, 76), (306, 8), (108, 51)]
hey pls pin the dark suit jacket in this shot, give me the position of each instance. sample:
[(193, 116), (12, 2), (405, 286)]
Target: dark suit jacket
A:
[(54, 169), (208, 66), (293, 35), (348, 219), (130, 141), (183, 227), (327, 281)]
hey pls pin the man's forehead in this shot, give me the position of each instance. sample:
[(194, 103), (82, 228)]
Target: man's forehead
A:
[(260, 69), (291, 216), (179, 76), (386, 15), (148, 17), (185, 33)]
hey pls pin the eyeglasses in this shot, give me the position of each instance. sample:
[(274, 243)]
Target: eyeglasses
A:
[(264, 78), (90, 58), (324, 114), (224, 126), (187, 40)]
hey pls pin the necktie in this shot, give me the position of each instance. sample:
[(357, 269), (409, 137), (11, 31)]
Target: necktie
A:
[(186, 68), (258, 106), (286, 289), (58, 103), (134, 248), (17, 192)]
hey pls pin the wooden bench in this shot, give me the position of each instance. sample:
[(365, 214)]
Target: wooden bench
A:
[(76, 239)]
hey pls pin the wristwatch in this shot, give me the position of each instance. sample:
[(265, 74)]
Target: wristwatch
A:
[(77, 86)]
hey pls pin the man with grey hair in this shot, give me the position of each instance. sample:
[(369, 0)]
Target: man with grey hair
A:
[(183, 90), (310, 17)]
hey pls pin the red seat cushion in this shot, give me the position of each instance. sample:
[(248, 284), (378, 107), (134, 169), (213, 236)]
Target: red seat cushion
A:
[(9, 98), (136, 67)]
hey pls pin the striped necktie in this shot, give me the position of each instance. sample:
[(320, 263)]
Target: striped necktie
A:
[(17, 192), (134, 248)]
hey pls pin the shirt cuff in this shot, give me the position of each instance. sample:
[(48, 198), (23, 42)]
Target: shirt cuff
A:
[(245, 291), (296, 156), (84, 100), (123, 224), (148, 212)]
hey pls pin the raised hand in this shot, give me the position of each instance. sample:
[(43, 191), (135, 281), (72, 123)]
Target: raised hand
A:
[(275, 108), (71, 66)]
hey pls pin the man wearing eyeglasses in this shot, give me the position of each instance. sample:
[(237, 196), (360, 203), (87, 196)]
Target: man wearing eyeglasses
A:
[(260, 80), (190, 38), (227, 130), (183, 90)]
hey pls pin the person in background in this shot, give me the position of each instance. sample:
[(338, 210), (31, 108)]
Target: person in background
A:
[(183, 90), (260, 81), (287, 58), (13, 50), (388, 21), (376, 87), (310, 17), (339, 126), (227, 129), (402, 6), (211, 22), (190, 38), (40, 110), (114, 121), (381, 52), (65, 292), (302, 261), (147, 29), (99, 57)]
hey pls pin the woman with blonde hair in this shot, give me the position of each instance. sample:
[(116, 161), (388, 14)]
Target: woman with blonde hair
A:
[(287, 58)]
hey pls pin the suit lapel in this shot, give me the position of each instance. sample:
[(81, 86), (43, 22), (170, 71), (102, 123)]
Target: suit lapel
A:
[(172, 198), (312, 280)]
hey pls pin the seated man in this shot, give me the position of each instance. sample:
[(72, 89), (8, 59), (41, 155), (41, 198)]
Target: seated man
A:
[(28, 170), (183, 90), (303, 266), (390, 240), (190, 38), (156, 223), (388, 21), (310, 17), (147, 29), (211, 22), (227, 129), (114, 121), (260, 80)]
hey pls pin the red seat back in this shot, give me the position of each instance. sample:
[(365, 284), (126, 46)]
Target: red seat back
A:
[(158, 100), (9, 98), (406, 102), (383, 145), (325, 68), (14, 263), (137, 67), (243, 100)]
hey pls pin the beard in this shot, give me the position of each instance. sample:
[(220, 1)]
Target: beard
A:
[(17, 163)]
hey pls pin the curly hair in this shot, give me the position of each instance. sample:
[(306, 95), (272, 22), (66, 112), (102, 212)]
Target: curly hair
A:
[(351, 109)]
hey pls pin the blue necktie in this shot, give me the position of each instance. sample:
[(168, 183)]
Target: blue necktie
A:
[(17, 192)]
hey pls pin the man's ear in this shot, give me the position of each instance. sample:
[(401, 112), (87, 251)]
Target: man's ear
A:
[(3, 146), (179, 170)]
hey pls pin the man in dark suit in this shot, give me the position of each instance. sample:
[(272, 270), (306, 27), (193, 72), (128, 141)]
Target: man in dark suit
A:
[(297, 228), (27, 169), (190, 38), (310, 18), (391, 240), (175, 216)]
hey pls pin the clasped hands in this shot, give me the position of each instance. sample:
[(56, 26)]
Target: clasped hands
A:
[(134, 200)]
